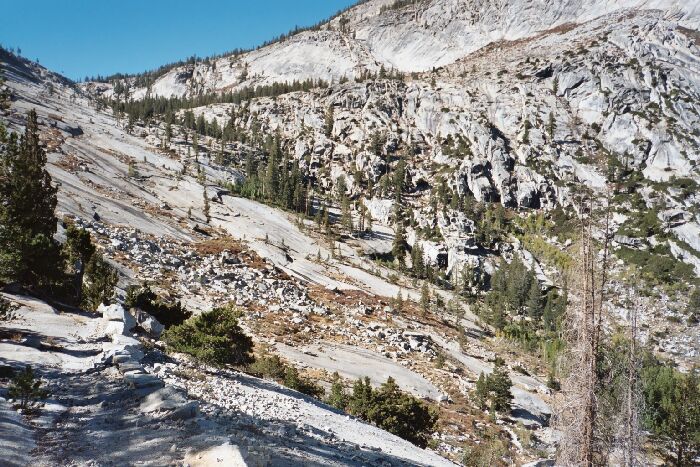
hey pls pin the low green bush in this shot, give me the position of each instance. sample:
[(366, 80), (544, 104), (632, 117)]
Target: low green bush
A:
[(25, 388), (393, 410), (144, 298), (213, 337), (657, 266), (268, 366), (272, 367), (294, 381)]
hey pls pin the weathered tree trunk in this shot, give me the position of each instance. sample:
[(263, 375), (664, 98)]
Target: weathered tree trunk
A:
[(577, 405)]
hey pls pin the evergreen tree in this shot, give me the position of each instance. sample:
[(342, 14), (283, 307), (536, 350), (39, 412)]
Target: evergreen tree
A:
[(554, 308), (346, 214), (693, 307), (214, 337), (25, 388), (206, 206), (398, 302), (251, 168), (399, 180), (425, 298), (337, 397), (361, 399), (272, 178), (5, 97), (79, 250), (201, 125), (551, 126), (130, 124), (328, 122), (399, 246), (299, 195), (402, 414), (499, 385), (672, 412), (100, 280), (417, 263), (377, 143), (28, 252), (481, 392), (533, 305), (195, 146)]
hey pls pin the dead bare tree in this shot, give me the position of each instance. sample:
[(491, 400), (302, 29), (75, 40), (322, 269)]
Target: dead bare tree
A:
[(631, 435), (576, 412)]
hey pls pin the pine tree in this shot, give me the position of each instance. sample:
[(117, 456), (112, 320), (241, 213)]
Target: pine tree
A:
[(25, 388), (168, 134), (201, 125), (533, 305), (337, 397), (425, 298), (206, 206), (398, 302), (328, 122), (399, 245), (499, 385), (5, 97), (195, 146), (402, 414), (481, 392), (361, 399), (131, 171), (399, 180), (554, 309), (672, 411), (28, 252), (346, 213), (417, 262), (79, 250), (272, 178), (250, 166), (551, 126), (130, 124), (100, 280), (693, 307), (299, 195)]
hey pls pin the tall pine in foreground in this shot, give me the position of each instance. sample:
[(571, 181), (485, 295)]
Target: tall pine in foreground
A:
[(28, 252)]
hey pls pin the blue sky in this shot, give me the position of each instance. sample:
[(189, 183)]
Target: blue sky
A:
[(91, 37)]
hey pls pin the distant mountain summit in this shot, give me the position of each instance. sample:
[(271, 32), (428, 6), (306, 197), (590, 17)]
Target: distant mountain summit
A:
[(405, 35)]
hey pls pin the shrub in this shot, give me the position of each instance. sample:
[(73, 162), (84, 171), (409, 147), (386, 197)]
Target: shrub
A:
[(268, 366), (25, 388), (213, 337), (393, 410), (272, 367), (494, 389), (100, 280), (78, 250), (657, 266), (294, 381), (672, 412), (144, 298), (361, 398), (693, 307), (337, 398), (402, 414), (488, 453)]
